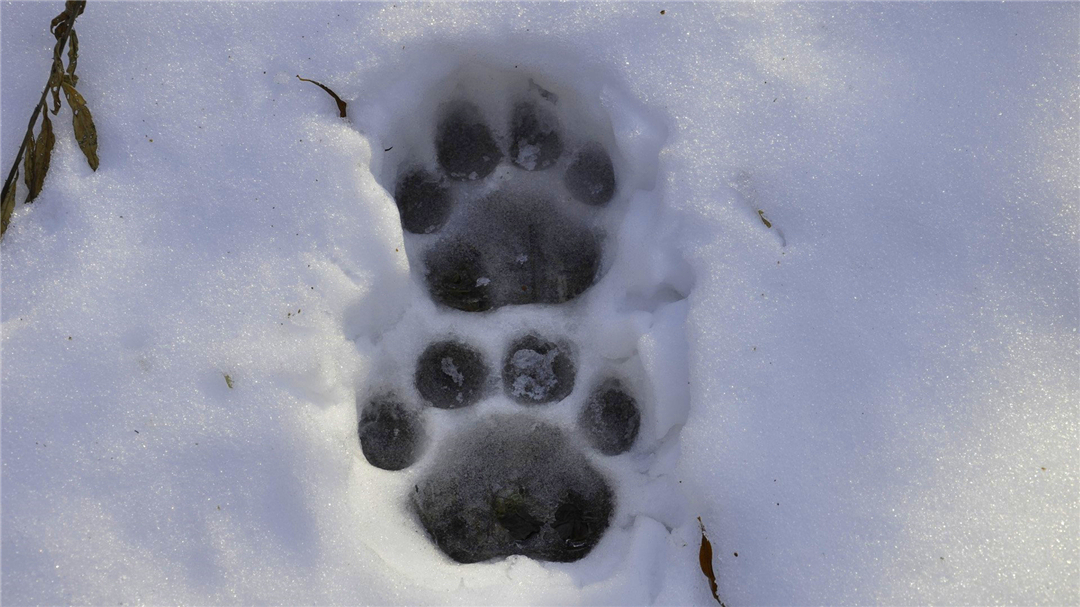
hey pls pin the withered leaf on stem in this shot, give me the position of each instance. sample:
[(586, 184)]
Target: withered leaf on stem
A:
[(54, 85), (73, 56), (42, 153), (59, 25), (7, 207), (83, 121), (72, 9), (75, 6), (28, 162), (37, 154)]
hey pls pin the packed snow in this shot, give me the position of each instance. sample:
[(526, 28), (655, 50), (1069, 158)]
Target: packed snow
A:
[(837, 280)]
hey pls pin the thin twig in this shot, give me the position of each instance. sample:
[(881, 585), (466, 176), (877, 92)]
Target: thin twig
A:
[(340, 104)]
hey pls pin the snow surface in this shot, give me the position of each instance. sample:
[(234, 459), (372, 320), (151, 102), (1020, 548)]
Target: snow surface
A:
[(874, 400)]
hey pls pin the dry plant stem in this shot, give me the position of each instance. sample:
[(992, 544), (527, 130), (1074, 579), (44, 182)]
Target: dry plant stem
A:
[(57, 51)]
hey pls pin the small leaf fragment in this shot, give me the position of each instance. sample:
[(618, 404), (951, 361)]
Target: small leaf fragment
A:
[(73, 55), (54, 85), (41, 150), (7, 206), (75, 6), (59, 21), (28, 162), (705, 561), (83, 121), (340, 104), (761, 214)]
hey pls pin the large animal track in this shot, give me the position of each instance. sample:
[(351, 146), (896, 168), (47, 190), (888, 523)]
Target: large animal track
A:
[(512, 483), (503, 205), (507, 216)]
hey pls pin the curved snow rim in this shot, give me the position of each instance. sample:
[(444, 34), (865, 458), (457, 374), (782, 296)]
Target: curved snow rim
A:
[(632, 319)]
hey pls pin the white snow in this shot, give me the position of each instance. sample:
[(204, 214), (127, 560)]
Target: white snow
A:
[(528, 155), (450, 369), (872, 401)]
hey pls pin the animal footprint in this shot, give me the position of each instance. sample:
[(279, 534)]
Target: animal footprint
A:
[(512, 426), (520, 227), (510, 483)]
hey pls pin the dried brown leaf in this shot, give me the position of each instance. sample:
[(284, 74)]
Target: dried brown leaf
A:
[(340, 104), (761, 214), (37, 154), (7, 206), (83, 121), (75, 6), (73, 55), (54, 85), (59, 25), (705, 560), (41, 150), (28, 163)]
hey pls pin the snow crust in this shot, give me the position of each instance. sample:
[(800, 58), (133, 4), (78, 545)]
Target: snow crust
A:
[(872, 401)]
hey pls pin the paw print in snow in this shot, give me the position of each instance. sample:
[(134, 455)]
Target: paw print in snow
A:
[(496, 228), (510, 483), (508, 431)]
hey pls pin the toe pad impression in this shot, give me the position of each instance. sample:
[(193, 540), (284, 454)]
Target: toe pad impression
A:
[(390, 434), (465, 145), (610, 418), (591, 176), (537, 371), (450, 375)]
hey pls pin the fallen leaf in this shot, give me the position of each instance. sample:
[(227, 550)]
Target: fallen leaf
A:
[(705, 560), (761, 214)]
